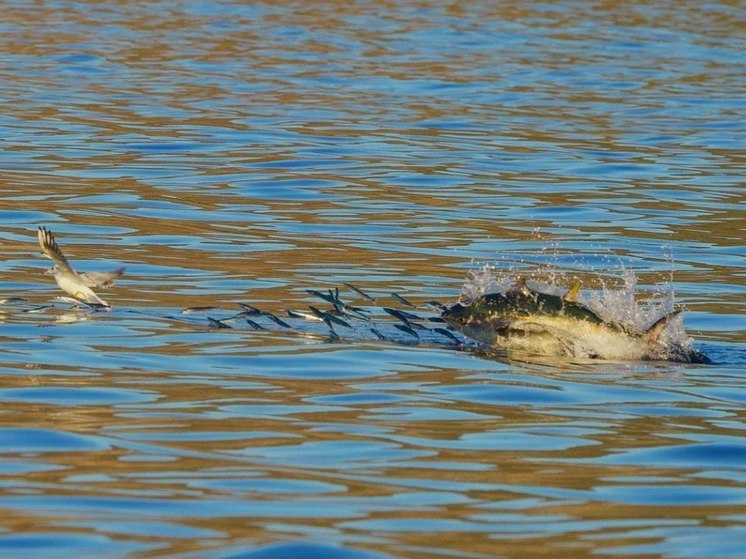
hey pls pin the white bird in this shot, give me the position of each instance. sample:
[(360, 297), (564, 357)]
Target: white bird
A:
[(78, 285)]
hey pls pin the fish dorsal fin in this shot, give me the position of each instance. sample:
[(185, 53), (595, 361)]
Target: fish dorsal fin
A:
[(520, 285), (572, 295), (654, 332)]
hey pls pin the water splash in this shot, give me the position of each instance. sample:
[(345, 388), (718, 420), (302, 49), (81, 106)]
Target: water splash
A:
[(614, 294)]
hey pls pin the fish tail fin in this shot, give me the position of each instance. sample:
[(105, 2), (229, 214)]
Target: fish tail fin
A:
[(654, 332)]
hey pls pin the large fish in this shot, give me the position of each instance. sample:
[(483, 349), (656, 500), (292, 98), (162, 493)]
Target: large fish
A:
[(530, 322)]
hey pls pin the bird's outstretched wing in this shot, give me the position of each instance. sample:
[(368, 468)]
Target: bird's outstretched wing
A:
[(51, 250), (101, 280)]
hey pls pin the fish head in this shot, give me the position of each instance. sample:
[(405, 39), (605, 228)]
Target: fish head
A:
[(474, 319), (456, 315)]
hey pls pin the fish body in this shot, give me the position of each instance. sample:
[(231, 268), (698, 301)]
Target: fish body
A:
[(523, 302), (529, 322)]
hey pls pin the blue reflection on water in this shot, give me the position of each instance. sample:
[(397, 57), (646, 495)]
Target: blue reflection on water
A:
[(228, 152)]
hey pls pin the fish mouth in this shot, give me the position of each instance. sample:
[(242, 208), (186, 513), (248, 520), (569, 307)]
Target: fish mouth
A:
[(456, 315)]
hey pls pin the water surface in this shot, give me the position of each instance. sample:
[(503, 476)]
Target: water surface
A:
[(231, 153)]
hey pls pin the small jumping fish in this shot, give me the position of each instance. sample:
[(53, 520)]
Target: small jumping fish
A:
[(360, 292), (254, 325), (38, 309), (408, 329), (215, 323), (328, 297), (404, 316), (447, 334), (303, 315), (355, 312), (402, 300), (377, 333), (194, 310), (277, 320), (435, 305), (250, 310), (328, 317)]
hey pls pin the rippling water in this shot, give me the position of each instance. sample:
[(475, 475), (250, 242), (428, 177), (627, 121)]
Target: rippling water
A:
[(227, 153)]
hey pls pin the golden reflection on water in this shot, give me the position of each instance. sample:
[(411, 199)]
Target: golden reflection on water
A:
[(195, 432), (247, 153)]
